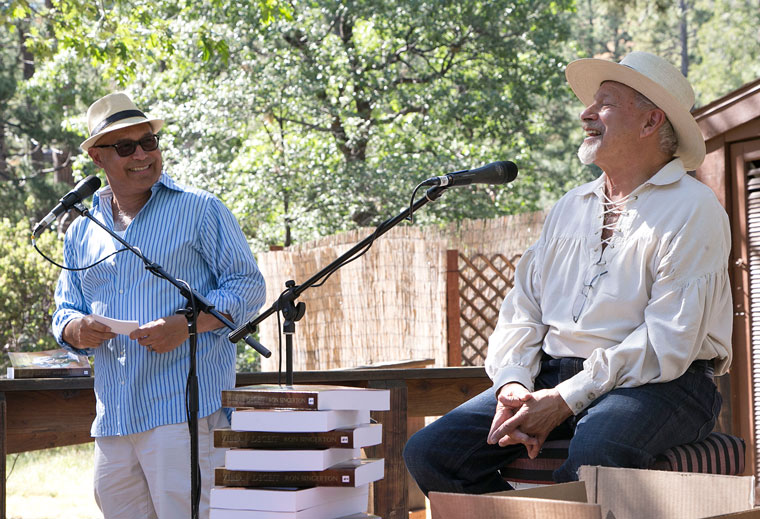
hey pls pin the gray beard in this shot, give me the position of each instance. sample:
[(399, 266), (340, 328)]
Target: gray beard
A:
[(587, 151)]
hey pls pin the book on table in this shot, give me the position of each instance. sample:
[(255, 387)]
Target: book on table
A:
[(352, 473), (287, 459), (324, 510), (58, 363), (283, 499), (365, 435), (313, 398), (284, 420)]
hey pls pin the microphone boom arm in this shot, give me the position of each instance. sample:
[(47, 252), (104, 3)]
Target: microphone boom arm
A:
[(293, 291)]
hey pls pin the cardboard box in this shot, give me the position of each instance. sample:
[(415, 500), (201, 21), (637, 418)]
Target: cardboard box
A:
[(563, 501), (748, 514), (575, 491), (633, 494), (612, 493), (462, 506)]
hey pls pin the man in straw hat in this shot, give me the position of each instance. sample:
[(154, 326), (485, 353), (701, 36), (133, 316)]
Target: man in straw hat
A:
[(620, 313), (142, 445)]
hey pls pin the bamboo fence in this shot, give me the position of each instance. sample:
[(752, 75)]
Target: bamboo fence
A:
[(389, 305)]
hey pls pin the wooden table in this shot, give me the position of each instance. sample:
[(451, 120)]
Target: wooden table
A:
[(43, 413)]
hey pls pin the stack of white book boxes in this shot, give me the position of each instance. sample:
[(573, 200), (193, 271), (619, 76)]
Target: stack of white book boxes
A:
[(295, 452)]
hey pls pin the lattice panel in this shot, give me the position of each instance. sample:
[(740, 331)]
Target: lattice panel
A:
[(484, 281)]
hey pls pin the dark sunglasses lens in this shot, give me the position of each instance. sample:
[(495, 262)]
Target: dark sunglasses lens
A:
[(149, 143), (125, 149)]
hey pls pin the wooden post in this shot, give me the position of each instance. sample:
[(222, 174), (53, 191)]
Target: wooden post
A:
[(741, 375), (454, 338), (391, 493)]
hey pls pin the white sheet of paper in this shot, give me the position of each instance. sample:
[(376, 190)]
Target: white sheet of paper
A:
[(117, 326)]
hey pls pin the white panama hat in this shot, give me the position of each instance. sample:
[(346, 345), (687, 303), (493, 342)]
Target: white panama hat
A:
[(655, 78), (113, 112)]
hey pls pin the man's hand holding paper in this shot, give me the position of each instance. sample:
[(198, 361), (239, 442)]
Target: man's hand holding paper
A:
[(117, 325)]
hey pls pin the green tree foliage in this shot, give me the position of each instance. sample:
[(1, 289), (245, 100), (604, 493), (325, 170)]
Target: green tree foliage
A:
[(726, 53), (36, 97), (26, 288), (714, 42), (327, 118)]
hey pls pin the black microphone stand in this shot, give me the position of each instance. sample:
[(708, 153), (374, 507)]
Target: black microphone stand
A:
[(196, 303), (293, 312)]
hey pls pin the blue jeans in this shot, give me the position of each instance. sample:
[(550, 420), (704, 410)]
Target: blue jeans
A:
[(627, 427)]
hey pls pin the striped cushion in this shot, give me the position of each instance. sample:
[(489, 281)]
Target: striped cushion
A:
[(719, 453)]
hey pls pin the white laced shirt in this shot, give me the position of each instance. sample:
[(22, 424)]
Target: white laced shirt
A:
[(640, 309)]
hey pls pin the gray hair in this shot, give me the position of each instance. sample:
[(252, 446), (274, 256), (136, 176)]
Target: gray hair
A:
[(668, 138)]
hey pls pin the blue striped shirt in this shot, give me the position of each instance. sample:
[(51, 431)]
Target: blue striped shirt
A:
[(195, 238)]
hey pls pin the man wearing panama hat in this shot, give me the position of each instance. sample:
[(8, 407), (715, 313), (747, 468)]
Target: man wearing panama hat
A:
[(142, 444), (621, 312)]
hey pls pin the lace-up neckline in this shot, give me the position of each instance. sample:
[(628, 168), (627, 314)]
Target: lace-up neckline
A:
[(611, 215)]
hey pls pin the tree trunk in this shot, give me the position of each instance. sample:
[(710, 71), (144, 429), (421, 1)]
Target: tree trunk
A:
[(590, 42), (27, 59), (357, 149), (34, 151), (3, 154), (286, 208), (62, 164)]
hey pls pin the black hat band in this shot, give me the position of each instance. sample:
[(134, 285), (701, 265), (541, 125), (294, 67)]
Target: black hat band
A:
[(118, 116)]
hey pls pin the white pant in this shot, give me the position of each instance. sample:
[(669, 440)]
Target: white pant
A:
[(147, 475)]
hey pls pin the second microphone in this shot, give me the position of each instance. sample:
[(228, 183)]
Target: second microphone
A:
[(501, 172)]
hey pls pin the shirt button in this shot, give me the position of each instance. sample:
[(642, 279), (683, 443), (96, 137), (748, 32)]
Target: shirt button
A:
[(591, 396), (579, 406), (121, 290), (122, 382)]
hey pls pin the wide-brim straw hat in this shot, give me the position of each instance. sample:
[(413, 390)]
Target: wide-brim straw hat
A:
[(114, 112), (655, 78)]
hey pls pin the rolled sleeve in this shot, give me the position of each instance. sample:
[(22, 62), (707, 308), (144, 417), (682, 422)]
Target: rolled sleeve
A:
[(69, 299)]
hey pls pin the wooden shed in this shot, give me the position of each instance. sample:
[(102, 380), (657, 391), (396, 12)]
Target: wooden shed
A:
[(731, 127)]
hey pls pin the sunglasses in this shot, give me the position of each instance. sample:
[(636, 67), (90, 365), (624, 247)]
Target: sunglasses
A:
[(126, 148)]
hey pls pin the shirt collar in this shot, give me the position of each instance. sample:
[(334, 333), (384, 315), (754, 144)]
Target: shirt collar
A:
[(670, 173), (164, 180)]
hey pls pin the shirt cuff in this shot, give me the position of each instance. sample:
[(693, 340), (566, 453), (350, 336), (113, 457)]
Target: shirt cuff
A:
[(227, 304), (518, 374), (87, 352), (579, 391)]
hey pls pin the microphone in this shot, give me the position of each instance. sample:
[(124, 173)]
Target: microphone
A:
[(501, 172), (82, 190)]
